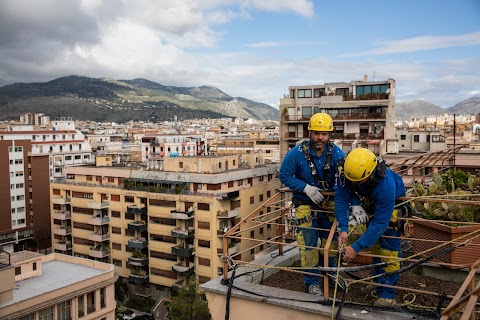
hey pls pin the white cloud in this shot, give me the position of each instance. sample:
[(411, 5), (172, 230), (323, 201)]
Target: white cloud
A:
[(419, 44)]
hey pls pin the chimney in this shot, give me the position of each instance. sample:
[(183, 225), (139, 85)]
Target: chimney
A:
[(365, 78)]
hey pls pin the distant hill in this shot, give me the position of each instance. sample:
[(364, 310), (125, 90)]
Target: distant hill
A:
[(107, 99), (417, 108), (470, 106)]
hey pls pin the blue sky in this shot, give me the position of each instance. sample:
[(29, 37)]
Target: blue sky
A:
[(251, 48)]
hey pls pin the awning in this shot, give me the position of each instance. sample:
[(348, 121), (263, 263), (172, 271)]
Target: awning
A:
[(374, 142)]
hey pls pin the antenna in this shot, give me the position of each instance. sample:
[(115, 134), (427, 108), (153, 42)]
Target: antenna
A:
[(373, 75)]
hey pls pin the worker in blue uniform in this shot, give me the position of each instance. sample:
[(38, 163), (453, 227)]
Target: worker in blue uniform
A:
[(307, 169), (370, 188)]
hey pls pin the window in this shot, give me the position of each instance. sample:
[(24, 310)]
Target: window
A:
[(115, 197), (46, 314), (180, 164), (269, 194), (203, 243), (416, 138), (117, 263), (318, 92), (116, 230), (63, 311), (129, 199), (28, 317), (18, 271), (260, 198), (252, 200), (102, 298), (81, 307), (306, 112), (204, 262), (261, 230), (91, 302), (203, 206), (304, 93), (341, 91), (403, 137), (204, 225), (252, 234), (34, 266), (428, 138), (116, 214)]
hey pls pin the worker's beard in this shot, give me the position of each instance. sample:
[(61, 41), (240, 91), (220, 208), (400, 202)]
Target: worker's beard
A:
[(319, 146)]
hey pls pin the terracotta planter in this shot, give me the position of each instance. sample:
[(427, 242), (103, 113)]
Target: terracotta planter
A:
[(431, 230)]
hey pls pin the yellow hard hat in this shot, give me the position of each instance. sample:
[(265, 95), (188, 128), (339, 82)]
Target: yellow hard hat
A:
[(359, 164), (320, 122)]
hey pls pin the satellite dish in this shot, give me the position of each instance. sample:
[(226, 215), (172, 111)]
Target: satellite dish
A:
[(388, 91)]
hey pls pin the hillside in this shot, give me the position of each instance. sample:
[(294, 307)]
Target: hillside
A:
[(470, 106), (417, 108), (106, 99)]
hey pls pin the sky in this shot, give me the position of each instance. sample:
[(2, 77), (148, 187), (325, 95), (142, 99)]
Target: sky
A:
[(253, 49)]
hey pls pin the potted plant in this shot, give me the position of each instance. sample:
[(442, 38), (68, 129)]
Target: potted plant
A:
[(446, 220)]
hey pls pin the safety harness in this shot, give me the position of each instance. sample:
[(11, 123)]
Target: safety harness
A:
[(322, 184), (403, 211)]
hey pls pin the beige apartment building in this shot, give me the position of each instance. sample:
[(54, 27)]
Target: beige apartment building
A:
[(55, 286), (159, 227), (362, 113)]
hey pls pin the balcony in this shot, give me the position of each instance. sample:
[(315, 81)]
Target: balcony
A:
[(182, 215), (98, 205), (183, 252), (139, 226), (138, 261), (62, 246), (138, 243), (98, 221), (228, 214), (231, 195), (62, 231), (98, 237), (99, 252), (177, 286), (137, 279), (137, 209), (183, 233), (61, 200), (182, 270), (61, 215)]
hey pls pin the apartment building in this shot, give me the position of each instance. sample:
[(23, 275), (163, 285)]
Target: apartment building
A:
[(362, 112), (421, 140), (37, 119), (55, 286), (29, 160), (155, 148), (252, 150), (160, 226)]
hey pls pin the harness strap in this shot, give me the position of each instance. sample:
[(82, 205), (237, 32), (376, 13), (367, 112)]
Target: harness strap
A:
[(322, 184)]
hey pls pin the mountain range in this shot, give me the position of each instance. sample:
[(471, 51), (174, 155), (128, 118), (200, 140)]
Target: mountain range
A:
[(105, 99), (420, 108)]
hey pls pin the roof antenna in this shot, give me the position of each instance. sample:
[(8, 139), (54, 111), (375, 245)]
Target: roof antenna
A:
[(373, 75)]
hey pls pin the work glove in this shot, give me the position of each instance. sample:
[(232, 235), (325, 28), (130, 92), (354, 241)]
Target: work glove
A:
[(357, 216), (313, 193)]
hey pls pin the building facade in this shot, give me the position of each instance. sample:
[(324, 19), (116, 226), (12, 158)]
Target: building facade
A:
[(159, 227), (362, 113), (55, 286), (29, 160)]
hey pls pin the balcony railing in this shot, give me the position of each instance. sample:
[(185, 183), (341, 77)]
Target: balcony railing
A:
[(139, 226), (228, 214), (139, 262), (61, 200), (363, 116), (357, 136), (138, 243), (183, 252), (62, 246), (62, 231), (182, 215), (98, 237), (137, 209), (98, 204), (183, 233), (137, 278), (98, 221), (184, 270), (99, 252), (62, 215)]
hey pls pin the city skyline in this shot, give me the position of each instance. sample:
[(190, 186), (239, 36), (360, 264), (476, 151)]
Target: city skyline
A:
[(251, 49)]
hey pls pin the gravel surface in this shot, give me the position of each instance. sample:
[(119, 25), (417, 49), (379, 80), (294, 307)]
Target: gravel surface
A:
[(359, 293)]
